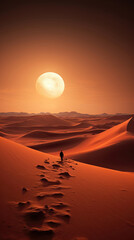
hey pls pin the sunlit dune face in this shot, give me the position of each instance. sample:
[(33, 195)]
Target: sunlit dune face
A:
[(50, 85)]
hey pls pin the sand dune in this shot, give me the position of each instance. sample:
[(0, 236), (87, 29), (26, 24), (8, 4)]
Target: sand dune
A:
[(2, 134), (120, 117), (25, 124), (55, 146), (114, 148), (6, 135), (78, 139), (34, 121), (7, 119), (106, 125), (22, 125), (41, 120), (52, 203), (41, 134), (114, 134), (130, 126), (119, 156), (50, 135), (83, 124)]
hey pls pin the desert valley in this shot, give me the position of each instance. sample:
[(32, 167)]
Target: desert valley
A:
[(89, 195)]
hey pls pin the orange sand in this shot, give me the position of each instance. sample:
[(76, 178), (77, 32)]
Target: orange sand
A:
[(85, 202)]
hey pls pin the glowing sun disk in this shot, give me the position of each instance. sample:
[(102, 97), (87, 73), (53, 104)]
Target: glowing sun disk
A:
[(50, 85)]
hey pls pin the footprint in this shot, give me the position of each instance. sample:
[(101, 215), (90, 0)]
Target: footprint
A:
[(56, 166), (47, 182), (123, 190), (65, 174), (60, 162), (34, 218), (41, 196), (61, 177), (46, 161), (42, 175), (24, 190), (38, 234), (55, 195), (23, 205), (53, 224), (49, 210), (72, 167), (60, 188), (41, 167), (64, 216), (60, 205)]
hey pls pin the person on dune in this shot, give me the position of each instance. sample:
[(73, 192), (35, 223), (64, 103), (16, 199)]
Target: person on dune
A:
[(61, 155)]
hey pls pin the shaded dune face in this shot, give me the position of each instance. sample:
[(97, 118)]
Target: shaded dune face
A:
[(110, 136), (54, 135), (113, 148), (56, 145), (130, 126), (2, 134), (119, 156)]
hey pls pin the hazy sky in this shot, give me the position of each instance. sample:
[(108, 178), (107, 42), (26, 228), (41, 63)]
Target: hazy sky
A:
[(89, 43)]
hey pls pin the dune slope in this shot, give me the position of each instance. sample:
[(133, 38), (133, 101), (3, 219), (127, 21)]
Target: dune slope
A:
[(44, 199), (113, 148)]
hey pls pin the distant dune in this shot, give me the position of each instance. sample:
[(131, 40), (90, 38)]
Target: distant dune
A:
[(120, 117), (23, 124), (2, 134), (37, 134), (58, 145), (40, 120)]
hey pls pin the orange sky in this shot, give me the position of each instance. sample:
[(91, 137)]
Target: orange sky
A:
[(91, 50)]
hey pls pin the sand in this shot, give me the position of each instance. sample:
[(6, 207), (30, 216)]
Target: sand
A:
[(43, 198)]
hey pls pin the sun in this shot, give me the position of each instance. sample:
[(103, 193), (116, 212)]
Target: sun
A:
[(50, 85)]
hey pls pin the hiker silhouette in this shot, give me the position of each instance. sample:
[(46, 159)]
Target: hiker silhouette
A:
[(61, 155)]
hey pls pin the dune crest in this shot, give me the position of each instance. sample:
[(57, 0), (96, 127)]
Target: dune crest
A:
[(130, 126), (113, 135), (113, 148)]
